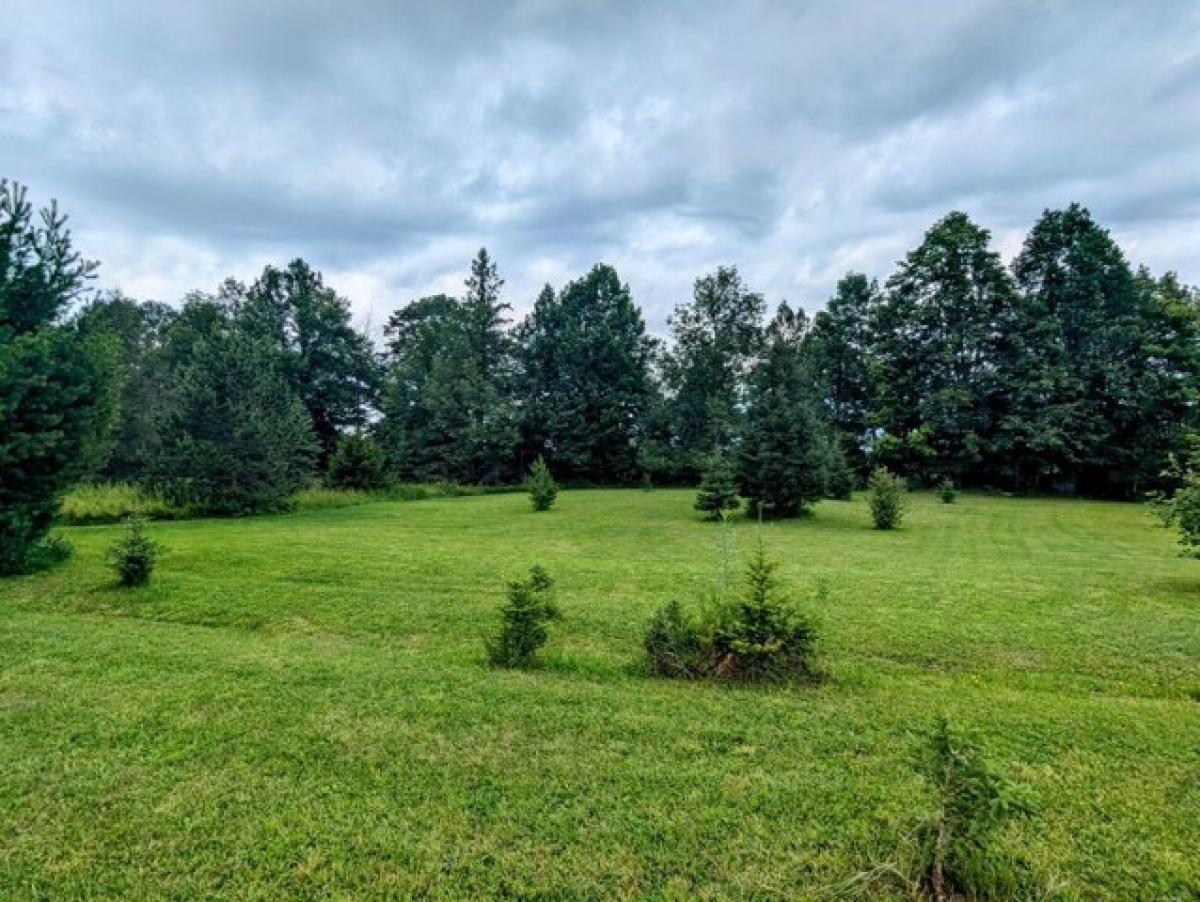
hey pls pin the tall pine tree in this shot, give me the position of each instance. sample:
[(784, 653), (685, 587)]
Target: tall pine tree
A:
[(714, 342), (56, 388), (585, 378), (785, 449), (839, 345), (329, 365), (935, 354)]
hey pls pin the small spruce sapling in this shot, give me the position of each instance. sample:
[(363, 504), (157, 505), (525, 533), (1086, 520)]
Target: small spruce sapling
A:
[(524, 616), (761, 637), (947, 491), (718, 490), (885, 494), (132, 557), (543, 490), (959, 857)]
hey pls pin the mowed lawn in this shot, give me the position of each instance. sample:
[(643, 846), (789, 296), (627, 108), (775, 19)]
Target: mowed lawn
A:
[(299, 705)]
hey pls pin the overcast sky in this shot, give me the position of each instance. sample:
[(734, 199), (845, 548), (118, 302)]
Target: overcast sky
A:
[(386, 141)]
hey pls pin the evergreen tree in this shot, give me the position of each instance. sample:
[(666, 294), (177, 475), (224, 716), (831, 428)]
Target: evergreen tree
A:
[(1100, 364), (446, 416), (543, 490), (57, 393), (839, 345), (585, 381), (936, 353), (784, 453), (329, 365), (715, 339), (142, 375), (358, 464), (718, 490), (235, 437), (485, 321)]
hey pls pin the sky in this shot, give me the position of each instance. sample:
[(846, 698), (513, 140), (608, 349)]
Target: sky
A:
[(385, 142)]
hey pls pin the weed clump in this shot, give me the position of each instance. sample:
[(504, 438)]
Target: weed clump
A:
[(524, 619), (132, 557)]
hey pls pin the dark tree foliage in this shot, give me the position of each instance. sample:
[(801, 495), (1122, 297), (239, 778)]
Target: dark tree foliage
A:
[(447, 411), (235, 437), (56, 387), (839, 344), (585, 381), (785, 450), (936, 339), (714, 342), (358, 463), (1099, 367), (143, 378), (328, 364)]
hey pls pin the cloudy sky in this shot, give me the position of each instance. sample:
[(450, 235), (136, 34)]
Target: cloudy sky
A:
[(386, 141)]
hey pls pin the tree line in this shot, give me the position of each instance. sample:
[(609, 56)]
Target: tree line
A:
[(1066, 371)]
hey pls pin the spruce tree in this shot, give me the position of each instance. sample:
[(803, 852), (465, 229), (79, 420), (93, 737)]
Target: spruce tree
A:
[(235, 438), (718, 490), (57, 388), (358, 464), (784, 454)]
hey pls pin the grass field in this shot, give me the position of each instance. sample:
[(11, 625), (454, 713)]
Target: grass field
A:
[(299, 705)]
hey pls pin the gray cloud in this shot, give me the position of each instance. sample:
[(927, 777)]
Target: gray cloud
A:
[(385, 142)]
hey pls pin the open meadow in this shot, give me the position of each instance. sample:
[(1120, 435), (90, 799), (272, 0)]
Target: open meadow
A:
[(300, 705)]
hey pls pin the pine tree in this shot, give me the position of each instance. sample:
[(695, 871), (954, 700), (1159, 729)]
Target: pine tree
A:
[(784, 453), (329, 365), (57, 389), (585, 377), (839, 346), (714, 342), (718, 490), (936, 352)]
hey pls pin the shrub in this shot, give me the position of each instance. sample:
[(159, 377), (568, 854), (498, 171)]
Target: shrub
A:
[(947, 491), (958, 856), (132, 556), (524, 617), (49, 552), (757, 637), (358, 463), (885, 493), (718, 490), (543, 490), (1182, 511)]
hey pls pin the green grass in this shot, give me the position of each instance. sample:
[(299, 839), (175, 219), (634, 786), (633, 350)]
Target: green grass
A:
[(298, 706)]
